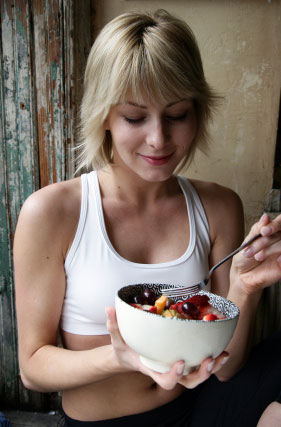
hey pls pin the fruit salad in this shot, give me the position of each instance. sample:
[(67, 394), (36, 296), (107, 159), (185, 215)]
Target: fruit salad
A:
[(196, 307)]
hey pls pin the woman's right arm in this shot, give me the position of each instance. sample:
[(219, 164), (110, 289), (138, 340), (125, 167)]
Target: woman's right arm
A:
[(42, 239)]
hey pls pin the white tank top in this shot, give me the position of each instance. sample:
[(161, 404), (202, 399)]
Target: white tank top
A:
[(95, 271)]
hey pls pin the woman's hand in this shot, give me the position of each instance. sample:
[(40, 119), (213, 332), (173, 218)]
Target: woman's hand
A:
[(130, 360), (259, 265)]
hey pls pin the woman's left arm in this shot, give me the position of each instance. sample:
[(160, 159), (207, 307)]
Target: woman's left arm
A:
[(256, 267), (242, 279)]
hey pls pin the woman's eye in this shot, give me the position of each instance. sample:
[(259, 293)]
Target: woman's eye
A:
[(178, 118), (134, 121)]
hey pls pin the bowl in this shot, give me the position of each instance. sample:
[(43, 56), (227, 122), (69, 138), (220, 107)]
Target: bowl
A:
[(162, 341)]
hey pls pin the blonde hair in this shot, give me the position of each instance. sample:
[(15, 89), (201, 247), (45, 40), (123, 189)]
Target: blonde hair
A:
[(152, 54)]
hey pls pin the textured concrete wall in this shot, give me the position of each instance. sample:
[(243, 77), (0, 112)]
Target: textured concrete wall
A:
[(241, 51)]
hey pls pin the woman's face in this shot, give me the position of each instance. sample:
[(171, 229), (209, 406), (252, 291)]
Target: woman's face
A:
[(149, 138)]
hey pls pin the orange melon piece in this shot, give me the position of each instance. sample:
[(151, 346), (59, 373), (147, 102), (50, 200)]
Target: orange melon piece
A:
[(160, 304)]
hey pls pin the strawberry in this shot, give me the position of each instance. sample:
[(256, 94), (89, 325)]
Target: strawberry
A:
[(199, 300), (136, 306), (210, 316), (179, 307), (204, 309)]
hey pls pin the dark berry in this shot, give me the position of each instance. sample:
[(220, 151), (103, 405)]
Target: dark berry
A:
[(190, 308), (149, 296), (139, 299)]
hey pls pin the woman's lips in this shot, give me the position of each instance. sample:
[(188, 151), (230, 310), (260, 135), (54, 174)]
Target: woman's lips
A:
[(156, 160)]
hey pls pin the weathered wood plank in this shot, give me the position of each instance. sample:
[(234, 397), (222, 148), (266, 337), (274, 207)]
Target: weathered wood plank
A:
[(69, 83), (4, 227), (83, 37), (53, 77), (10, 194)]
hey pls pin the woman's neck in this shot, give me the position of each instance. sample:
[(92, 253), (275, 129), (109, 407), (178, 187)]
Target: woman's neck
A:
[(117, 183)]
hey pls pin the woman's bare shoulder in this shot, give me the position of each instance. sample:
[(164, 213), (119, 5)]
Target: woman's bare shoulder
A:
[(217, 190), (54, 199), (223, 207), (216, 196), (52, 213)]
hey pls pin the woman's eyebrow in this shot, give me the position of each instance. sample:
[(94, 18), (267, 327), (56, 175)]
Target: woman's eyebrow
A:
[(178, 101), (135, 104)]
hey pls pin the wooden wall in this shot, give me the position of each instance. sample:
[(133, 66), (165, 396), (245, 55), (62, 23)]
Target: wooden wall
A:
[(38, 44)]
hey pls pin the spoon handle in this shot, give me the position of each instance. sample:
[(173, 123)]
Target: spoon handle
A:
[(244, 245)]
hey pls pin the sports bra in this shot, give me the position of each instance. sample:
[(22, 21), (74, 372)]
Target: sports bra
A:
[(95, 271)]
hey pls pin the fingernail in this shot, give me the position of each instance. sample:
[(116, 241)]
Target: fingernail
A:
[(210, 366), (266, 230), (262, 218), (259, 256), (248, 252), (180, 369), (224, 360), (279, 259)]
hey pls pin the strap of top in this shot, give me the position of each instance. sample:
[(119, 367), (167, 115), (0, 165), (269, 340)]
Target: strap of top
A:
[(197, 201), (81, 223)]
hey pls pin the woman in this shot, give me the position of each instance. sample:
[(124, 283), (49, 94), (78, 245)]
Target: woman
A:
[(145, 110)]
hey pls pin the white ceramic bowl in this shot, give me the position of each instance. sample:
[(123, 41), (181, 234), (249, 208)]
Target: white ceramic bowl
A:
[(161, 341)]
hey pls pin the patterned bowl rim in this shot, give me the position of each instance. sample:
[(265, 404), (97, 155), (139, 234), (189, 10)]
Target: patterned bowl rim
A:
[(222, 304)]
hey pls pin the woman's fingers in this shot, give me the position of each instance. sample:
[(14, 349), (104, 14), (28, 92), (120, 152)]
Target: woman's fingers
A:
[(256, 228), (258, 249), (167, 380), (259, 265), (271, 227), (208, 367), (220, 361), (127, 358), (112, 327), (268, 244), (198, 376), (265, 226), (175, 375)]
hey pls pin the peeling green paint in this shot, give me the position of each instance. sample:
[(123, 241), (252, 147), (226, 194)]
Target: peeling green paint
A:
[(54, 70)]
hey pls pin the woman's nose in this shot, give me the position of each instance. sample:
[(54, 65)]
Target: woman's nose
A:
[(157, 135)]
